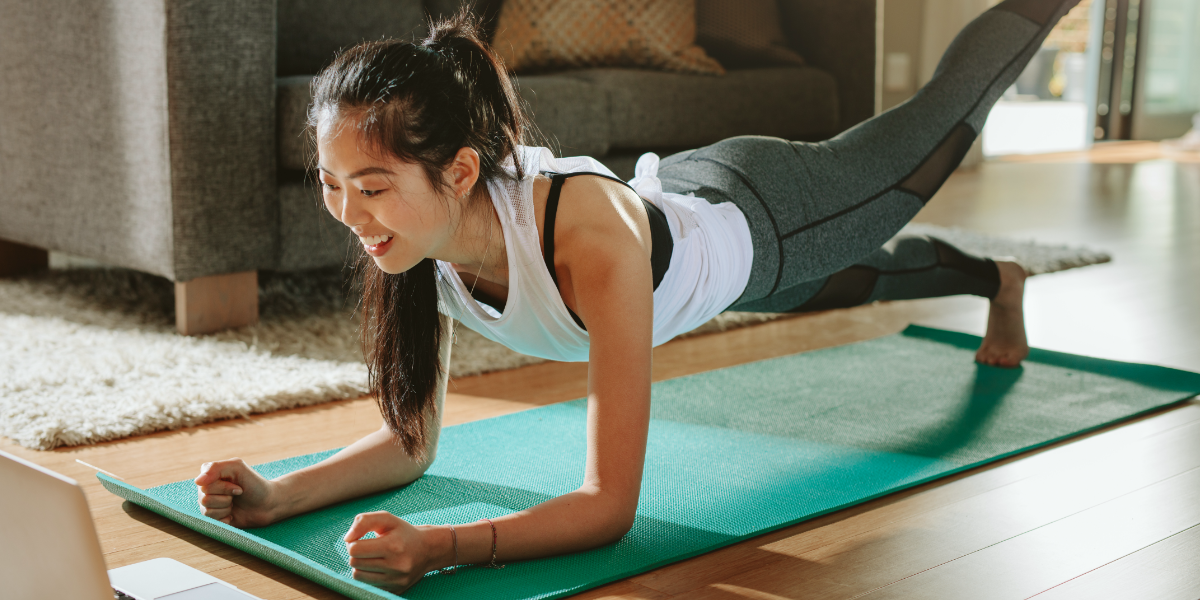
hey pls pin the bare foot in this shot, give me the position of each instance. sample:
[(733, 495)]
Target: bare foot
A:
[(1005, 344)]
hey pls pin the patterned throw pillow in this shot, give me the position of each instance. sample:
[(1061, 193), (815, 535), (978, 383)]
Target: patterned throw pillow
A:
[(537, 35), (743, 33)]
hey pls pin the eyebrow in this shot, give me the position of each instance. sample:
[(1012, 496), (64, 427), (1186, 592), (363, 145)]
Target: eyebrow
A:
[(362, 172)]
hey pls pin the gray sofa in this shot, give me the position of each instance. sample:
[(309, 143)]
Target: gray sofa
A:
[(166, 135)]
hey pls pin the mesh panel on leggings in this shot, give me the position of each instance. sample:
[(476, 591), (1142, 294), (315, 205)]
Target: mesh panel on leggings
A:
[(979, 268), (849, 287), (925, 181)]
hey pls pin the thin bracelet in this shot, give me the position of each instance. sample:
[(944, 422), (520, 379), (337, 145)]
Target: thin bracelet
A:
[(454, 540), (492, 565)]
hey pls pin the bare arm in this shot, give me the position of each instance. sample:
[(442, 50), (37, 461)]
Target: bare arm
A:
[(371, 464), (616, 303)]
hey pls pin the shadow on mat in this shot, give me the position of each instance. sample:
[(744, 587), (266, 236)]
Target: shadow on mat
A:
[(943, 438)]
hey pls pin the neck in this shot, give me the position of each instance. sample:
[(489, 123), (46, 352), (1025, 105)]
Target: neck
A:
[(477, 246)]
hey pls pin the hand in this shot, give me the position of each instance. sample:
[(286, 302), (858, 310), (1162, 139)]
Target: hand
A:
[(233, 493), (395, 560)]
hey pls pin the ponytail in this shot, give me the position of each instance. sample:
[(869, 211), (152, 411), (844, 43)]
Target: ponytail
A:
[(420, 103)]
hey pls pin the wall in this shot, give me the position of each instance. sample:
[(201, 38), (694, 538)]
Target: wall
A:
[(902, 24)]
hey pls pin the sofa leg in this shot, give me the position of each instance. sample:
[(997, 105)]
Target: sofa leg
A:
[(16, 259), (216, 303)]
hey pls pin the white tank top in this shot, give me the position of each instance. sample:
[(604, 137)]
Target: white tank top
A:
[(709, 269)]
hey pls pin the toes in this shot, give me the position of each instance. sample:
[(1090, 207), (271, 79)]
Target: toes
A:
[(995, 359)]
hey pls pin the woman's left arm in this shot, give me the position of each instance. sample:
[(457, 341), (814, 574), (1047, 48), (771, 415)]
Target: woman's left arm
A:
[(615, 299), (611, 285)]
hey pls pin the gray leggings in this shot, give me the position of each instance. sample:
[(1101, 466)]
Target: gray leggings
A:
[(824, 216)]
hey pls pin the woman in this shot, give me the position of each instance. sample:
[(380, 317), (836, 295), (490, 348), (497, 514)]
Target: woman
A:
[(419, 152)]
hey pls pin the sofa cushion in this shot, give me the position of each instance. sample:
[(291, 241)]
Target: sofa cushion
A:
[(292, 96), (652, 109), (591, 112), (310, 237), (743, 33), (540, 35), (312, 31), (572, 113)]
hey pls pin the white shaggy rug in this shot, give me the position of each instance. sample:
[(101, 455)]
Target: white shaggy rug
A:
[(90, 354)]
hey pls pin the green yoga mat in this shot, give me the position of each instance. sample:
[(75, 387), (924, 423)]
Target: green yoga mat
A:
[(732, 454)]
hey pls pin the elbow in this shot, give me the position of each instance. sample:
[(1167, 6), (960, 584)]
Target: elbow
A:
[(614, 513), (426, 459), (416, 463), (615, 529), (622, 526), (619, 521)]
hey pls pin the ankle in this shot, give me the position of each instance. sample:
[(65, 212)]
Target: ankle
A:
[(1012, 283)]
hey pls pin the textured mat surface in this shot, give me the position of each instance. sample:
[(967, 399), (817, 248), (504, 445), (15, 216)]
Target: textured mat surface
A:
[(732, 453)]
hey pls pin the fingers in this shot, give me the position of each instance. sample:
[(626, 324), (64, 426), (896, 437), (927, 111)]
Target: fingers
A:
[(390, 581), (371, 577), (372, 565), (369, 548), (224, 515), (382, 561), (222, 487), (216, 490), (380, 522), (216, 501), (227, 470)]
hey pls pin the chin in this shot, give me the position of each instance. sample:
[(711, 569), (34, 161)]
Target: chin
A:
[(391, 268)]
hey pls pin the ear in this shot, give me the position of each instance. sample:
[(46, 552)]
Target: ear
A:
[(464, 171)]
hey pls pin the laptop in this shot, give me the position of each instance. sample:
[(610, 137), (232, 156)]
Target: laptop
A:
[(49, 548)]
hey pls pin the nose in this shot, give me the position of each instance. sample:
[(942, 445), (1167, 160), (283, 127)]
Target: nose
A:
[(349, 212)]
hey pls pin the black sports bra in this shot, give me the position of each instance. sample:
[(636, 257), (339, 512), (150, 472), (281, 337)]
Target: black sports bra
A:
[(661, 244)]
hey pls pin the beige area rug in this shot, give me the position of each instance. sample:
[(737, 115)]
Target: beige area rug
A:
[(91, 354)]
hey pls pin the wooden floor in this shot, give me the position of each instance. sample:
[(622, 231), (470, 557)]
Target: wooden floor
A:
[(1115, 514)]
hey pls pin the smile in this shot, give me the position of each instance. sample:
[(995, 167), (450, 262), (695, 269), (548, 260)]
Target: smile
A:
[(376, 245)]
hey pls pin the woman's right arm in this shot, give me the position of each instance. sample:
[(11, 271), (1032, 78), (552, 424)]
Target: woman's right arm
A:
[(231, 492)]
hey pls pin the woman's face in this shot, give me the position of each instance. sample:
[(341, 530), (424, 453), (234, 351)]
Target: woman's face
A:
[(395, 212)]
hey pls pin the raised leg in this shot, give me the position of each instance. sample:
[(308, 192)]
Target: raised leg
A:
[(16, 259), (215, 303), (815, 209)]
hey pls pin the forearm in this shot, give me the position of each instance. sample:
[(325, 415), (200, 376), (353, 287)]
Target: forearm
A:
[(603, 509), (371, 464), (574, 522)]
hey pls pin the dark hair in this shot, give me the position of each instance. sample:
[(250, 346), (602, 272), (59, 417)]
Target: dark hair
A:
[(421, 103)]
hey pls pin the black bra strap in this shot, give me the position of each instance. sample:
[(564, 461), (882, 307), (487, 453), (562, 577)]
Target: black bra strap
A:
[(556, 183), (661, 243)]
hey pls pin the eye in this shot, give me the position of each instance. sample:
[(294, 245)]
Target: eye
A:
[(328, 186), (370, 193)]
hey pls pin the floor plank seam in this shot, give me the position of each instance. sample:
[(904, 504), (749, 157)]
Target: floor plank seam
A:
[(1115, 560), (1042, 526), (933, 509)]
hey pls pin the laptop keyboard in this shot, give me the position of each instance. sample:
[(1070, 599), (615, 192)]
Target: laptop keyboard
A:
[(117, 595)]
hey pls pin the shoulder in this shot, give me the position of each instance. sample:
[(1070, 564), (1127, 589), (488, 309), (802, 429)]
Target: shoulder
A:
[(597, 209), (602, 230), (602, 201)]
